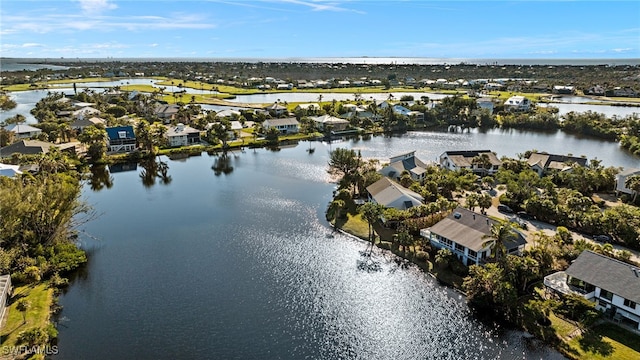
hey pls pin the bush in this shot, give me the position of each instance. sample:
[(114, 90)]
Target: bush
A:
[(422, 256)]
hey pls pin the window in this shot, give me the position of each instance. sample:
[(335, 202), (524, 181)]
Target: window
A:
[(629, 303), (122, 134), (459, 248), (604, 294), (472, 254)]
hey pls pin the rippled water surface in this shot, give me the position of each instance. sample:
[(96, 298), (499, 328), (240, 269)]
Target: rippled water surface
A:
[(239, 266)]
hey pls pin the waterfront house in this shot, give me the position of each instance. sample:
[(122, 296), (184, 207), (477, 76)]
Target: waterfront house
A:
[(405, 162), (327, 121), (121, 139), (541, 163), (389, 193), (23, 131), (284, 126), (308, 108), (182, 135), (86, 111), (517, 103), (566, 90), (467, 235), (231, 114), (621, 179), (612, 284), (485, 103), (483, 162)]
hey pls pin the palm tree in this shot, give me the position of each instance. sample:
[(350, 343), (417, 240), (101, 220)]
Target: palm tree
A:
[(501, 233), (371, 213)]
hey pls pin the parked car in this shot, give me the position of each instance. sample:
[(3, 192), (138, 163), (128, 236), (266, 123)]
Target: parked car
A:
[(524, 216), (505, 209), (602, 238)]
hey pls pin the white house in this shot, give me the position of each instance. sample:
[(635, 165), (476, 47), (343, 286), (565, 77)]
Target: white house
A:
[(517, 103), (405, 162), (612, 284), (182, 135), (471, 160), (23, 131), (391, 194), (622, 177), (285, 126), (467, 235)]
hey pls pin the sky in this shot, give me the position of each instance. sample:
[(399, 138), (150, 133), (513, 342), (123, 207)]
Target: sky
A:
[(284, 29)]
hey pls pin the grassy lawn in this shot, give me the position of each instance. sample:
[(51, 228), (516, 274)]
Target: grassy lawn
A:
[(355, 225), (41, 298), (604, 341)]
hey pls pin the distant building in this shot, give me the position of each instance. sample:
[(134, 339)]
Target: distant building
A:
[(567, 90), (517, 103), (621, 179), (485, 103), (325, 121), (284, 126), (30, 147)]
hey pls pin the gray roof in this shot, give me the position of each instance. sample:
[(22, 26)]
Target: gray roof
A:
[(465, 158), (607, 273), (391, 194), (22, 128), (180, 130), (554, 161), (470, 230), (282, 122), (27, 147)]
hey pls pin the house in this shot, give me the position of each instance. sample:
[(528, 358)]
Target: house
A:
[(307, 107), (485, 103), (23, 131), (389, 193), (121, 138), (234, 114), (80, 124), (567, 90), (182, 135), (327, 121), (6, 291), (517, 103), (166, 112), (482, 162), (276, 109), (87, 111), (285, 126), (26, 147), (467, 235), (405, 162), (541, 163), (622, 177), (612, 284)]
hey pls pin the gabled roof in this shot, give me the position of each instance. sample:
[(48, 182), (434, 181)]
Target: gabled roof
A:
[(21, 128), (114, 132), (553, 161), (181, 130), (275, 107), (227, 113), (328, 119), (391, 194), (282, 122), (26, 147), (470, 230), (607, 273), (464, 158)]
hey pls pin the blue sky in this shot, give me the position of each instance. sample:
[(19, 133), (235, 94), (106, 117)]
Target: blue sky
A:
[(319, 28)]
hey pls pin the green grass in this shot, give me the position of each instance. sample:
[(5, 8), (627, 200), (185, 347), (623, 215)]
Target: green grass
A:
[(604, 341), (41, 298), (355, 225)]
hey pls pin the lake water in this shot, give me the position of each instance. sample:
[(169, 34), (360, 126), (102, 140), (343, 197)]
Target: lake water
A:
[(231, 260)]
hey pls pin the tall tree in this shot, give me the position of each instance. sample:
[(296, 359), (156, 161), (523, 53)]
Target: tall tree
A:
[(371, 212), (502, 233)]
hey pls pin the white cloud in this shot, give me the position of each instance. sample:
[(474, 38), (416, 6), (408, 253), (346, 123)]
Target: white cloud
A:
[(30, 45), (153, 45), (96, 6), (622, 50)]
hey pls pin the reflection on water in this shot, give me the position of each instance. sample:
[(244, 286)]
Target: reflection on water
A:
[(240, 267), (154, 169)]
